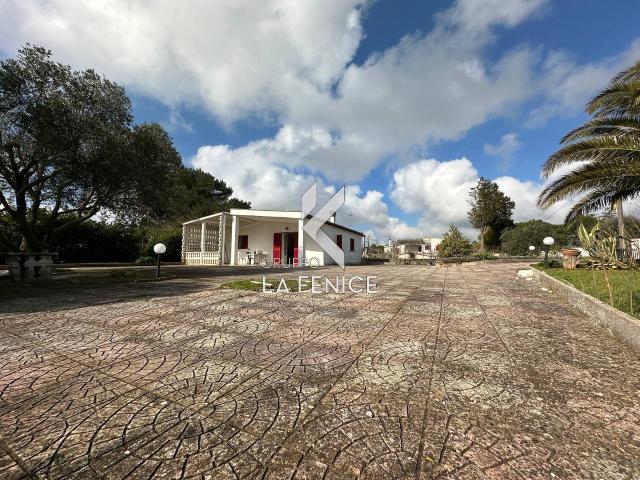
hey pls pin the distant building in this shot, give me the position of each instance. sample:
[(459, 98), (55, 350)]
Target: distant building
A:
[(421, 248)]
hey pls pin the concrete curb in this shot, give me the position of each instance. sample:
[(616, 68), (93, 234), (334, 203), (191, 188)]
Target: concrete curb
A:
[(619, 324)]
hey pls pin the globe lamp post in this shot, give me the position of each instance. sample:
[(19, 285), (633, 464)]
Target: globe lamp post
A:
[(548, 241), (159, 248)]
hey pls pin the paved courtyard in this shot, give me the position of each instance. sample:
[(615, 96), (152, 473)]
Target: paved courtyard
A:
[(447, 372)]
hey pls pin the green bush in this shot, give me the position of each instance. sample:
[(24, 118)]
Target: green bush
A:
[(98, 242), (169, 234), (516, 240), (146, 260), (454, 244)]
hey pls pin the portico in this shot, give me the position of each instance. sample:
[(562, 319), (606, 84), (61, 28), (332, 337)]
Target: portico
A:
[(245, 236)]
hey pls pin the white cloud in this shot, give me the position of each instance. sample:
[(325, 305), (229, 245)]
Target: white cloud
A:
[(436, 189), (234, 58), (370, 210), (504, 150), (270, 186), (439, 191), (569, 86), (290, 63), (254, 177), (525, 195)]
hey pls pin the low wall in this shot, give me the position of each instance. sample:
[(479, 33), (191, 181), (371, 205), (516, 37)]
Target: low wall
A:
[(112, 264), (427, 261), (620, 324)]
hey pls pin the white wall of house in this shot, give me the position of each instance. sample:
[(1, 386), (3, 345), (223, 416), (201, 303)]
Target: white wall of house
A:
[(260, 238), (260, 227), (312, 250), (350, 257), (260, 234)]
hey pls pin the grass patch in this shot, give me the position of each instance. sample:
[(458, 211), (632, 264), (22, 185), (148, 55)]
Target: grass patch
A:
[(64, 279), (255, 285), (618, 288)]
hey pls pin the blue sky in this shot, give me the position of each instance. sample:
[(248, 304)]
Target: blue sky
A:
[(406, 103)]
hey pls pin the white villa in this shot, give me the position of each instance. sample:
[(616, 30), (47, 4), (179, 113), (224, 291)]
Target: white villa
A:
[(424, 248), (246, 236)]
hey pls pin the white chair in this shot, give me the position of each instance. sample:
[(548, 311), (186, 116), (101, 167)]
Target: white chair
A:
[(243, 259)]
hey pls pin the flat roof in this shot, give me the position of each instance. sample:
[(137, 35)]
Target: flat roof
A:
[(289, 214)]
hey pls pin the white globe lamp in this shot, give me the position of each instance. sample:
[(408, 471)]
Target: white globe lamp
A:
[(159, 248)]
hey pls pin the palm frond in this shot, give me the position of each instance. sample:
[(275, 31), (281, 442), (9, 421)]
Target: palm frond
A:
[(612, 125), (592, 202), (624, 148), (631, 74), (622, 93), (596, 201), (604, 176), (615, 99), (605, 151)]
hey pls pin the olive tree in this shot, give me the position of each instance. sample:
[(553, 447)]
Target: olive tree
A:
[(68, 149)]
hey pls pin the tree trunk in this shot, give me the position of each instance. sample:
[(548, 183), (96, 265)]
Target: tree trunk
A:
[(483, 231), (622, 244)]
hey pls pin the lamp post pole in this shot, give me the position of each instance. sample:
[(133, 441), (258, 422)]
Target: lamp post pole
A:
[(159, 248), (547, 241)]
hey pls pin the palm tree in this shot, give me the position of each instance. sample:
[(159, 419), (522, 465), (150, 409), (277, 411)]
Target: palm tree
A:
[(605, 152)]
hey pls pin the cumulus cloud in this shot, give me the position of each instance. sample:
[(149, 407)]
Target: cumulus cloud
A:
[(290, 62), (269, 186), (504, 150), (233, 58), (370, 210), (569, 86), (439, 191)]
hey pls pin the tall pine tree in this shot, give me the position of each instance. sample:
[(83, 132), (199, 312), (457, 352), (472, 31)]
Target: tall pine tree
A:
[(490, 210)]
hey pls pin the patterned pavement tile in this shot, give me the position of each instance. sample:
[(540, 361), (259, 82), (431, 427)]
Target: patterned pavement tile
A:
[(460, 371)]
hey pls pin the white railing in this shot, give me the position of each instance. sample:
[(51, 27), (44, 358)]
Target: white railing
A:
[(202, 258)]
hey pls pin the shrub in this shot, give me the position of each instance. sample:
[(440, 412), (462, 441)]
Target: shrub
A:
[(516, 240), (146, 260), (98, 242), (170, 234), (454, 244)]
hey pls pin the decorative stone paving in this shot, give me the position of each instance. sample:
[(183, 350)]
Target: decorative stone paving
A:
[(447, 372)]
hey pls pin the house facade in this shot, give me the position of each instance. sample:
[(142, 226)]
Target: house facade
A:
[(275, 237), (423, 248)]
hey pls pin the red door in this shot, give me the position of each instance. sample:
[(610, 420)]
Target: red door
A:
[(296, 258), (277, 245)]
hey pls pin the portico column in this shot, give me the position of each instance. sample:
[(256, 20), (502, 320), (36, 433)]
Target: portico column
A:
[(183, 246), (202, 236), (300, 239), (234, 239), (223, 219)]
